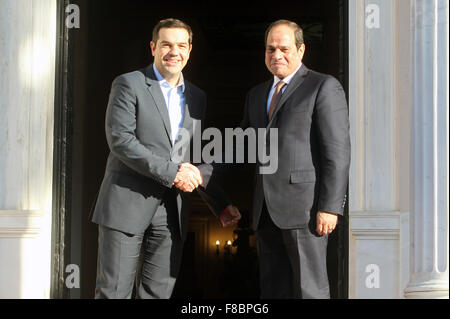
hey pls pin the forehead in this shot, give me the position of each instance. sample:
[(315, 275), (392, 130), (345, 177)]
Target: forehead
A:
[(173, 35), (281, 34)]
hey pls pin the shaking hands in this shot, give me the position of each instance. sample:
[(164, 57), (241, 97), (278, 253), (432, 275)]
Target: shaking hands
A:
[(188, 178)]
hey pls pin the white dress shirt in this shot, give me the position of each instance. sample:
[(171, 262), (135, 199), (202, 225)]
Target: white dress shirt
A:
[(175, 102), (275, 82)]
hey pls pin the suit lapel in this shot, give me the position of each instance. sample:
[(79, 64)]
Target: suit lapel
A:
[(188, 109), (157, 95), (296, 81), (263, 119), (182, 143)]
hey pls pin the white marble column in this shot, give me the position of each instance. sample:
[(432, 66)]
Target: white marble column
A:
[(429, 150), (379, 121), (27, 71)]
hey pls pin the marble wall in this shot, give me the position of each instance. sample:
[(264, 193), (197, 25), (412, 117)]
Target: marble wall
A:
[(27, 64), (398, 85)]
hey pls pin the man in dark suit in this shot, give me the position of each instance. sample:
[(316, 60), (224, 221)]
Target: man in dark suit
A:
[(295, 208), (143, 205)]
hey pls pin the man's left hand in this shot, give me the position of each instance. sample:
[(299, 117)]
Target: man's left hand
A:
[(326, 223), (230, 216)]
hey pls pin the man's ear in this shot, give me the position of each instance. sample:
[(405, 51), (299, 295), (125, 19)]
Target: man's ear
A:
[(301, 50), (152, 47)]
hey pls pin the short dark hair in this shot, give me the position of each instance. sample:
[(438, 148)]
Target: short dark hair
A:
[(171, 23), (298, 32)]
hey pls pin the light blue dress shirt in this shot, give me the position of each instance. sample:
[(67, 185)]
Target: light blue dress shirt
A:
[(275, 82), (175, 102)]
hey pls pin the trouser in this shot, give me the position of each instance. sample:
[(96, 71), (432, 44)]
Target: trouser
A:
[(292, 262), (150, 260)]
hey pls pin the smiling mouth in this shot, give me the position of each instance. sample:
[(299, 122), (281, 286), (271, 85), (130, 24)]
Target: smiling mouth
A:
[(172, 62)]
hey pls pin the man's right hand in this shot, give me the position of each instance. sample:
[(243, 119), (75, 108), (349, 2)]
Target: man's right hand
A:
[(188, 177)]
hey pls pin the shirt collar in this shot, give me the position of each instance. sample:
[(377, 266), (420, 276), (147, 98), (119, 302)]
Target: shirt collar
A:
[(164, 83), (286, 79)]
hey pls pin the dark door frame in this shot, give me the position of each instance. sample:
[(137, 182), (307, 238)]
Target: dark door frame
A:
[(61, 156), (343, 241), (61, 206)]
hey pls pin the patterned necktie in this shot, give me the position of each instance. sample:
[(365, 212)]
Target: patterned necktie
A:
[(276, 98)]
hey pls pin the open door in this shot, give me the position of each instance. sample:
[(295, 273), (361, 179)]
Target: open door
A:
[(226, 61)]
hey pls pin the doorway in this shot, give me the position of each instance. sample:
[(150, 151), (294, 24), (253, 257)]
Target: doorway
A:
[(226, 61)]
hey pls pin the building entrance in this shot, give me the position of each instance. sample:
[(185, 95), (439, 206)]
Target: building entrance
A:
[(226, 61)]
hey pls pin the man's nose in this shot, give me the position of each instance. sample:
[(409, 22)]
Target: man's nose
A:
[(174, 50), (277, 54)]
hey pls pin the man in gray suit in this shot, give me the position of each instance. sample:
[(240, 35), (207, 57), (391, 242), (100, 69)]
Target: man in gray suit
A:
[(143, 205), (296, 208)]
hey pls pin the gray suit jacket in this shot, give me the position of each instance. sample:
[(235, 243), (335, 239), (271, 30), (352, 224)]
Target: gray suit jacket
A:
[(313, 149), (142, 163)]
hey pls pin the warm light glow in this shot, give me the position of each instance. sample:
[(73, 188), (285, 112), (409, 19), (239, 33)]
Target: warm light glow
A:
[(229, 243), (217, 243)]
